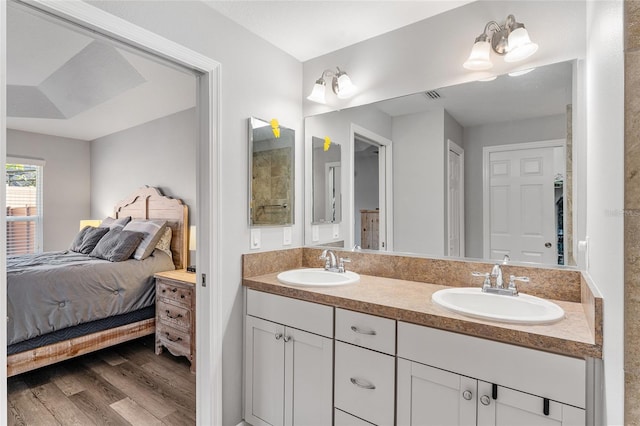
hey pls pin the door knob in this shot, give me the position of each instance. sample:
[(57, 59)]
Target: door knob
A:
[(547, 245)]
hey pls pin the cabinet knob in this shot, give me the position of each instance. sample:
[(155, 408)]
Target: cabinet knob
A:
[(278, 336), (485, 400), (286, 338), (467, 395)]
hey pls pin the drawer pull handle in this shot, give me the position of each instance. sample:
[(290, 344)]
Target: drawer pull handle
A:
[(362, 383), (177, 339), (173, 316), (173, 290), (361, 331)]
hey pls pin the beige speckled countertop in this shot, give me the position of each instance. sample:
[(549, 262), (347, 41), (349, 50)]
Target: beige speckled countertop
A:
[(410, 301)]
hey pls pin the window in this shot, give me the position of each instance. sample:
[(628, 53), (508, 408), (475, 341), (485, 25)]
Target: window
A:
[(24, 205)]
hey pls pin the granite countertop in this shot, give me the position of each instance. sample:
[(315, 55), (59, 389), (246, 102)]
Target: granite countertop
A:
[(410, 301)]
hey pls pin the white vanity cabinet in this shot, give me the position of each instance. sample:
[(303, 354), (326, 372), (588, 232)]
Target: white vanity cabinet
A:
[(288, 361), (441, 381), (365, 368)]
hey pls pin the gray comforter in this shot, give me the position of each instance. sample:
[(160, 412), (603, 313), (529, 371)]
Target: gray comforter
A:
[(55, 290)]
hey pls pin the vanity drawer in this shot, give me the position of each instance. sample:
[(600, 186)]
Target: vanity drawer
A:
[(340, 418), (366, 330), (365, 383), (308, 316)]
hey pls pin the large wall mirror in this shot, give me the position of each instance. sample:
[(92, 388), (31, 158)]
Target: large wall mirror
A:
[(476, 170), (271, 168)]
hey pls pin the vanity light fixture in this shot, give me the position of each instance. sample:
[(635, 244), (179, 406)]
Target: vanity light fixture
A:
[(510, 40), (340, 84)]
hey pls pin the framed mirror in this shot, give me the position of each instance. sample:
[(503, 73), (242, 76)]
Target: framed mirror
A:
[(271, 168), (447, 179), (327, 181)]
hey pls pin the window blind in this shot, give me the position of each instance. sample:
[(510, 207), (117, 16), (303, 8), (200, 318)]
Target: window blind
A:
[(23, 182)]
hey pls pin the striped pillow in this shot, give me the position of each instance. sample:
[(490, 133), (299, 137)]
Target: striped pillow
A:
[(152, 230)]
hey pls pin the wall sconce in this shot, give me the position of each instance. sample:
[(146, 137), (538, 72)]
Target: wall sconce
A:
[(510, 40), (340, 84)]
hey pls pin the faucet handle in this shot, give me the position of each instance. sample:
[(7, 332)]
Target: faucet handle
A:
[(487, 281), (512, 283), (343, 260)]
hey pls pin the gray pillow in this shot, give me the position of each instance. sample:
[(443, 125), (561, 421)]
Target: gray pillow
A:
[(111, 223), (117, 245), (152, 230), (87, 239)]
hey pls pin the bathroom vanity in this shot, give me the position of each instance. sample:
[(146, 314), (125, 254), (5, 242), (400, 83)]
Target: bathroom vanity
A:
[(381, 352)]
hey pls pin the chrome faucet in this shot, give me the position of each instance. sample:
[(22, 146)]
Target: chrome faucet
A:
[(331, 262), (498, 287)]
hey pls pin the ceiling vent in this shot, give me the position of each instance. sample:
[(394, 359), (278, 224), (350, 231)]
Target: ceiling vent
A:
[(432, 94)]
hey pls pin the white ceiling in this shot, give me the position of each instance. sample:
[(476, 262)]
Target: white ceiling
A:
[(64, 82), (310, 28)]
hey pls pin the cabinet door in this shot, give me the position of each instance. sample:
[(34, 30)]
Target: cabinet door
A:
[(264, 372), (430, 396), (513, 408), (308, 379)]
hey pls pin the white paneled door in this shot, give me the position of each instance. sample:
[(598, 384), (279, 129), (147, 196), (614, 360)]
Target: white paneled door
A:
[(521, 205)]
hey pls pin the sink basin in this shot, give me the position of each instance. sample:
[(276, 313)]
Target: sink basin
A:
[(317, 277), (521, 309)]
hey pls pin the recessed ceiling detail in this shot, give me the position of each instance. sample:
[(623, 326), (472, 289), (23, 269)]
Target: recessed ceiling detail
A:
[(29, 101), (96, 74)]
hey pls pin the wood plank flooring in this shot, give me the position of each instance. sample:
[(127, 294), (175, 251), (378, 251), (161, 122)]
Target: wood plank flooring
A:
[(127, 384)]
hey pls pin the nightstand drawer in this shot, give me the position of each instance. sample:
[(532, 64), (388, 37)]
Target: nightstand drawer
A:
[(177, 341), (174, 315), (178, 292)]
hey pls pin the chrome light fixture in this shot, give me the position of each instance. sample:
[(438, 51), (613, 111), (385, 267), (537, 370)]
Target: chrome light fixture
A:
[(510, 40), (340, 84)]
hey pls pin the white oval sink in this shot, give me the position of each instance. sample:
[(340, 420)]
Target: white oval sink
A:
[(317, 277), (521, 309)]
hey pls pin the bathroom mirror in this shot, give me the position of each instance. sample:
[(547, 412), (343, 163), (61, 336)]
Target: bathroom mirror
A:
[(445, 190), (327, 181), (271, 168)]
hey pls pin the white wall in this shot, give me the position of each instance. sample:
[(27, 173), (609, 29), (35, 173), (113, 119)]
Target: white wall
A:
[(366, 188), (478, 137), (605, 187), (452, 131), (257, 80), (429, 54), (66, 195), (418, 185), (160, 153)]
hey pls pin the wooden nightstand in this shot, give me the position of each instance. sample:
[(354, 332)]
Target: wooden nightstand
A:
[(176, 314)]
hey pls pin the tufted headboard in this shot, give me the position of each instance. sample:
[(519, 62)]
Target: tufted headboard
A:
[(149, 203)]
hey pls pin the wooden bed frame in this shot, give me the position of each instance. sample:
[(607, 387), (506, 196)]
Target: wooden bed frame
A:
[(145, 203)]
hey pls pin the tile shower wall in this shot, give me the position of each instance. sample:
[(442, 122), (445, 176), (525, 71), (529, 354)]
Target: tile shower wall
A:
[(272, 182)]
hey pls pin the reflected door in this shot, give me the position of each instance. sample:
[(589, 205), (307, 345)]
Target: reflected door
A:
[(456, 200), (521, 205)]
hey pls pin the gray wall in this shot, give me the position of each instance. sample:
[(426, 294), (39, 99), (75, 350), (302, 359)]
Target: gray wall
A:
[(366, 188), (452, 131), (418, 183), (161, 153), (66, 187), (476, 138)]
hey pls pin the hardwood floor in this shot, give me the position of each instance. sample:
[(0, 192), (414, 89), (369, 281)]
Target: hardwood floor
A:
[(124, 385)]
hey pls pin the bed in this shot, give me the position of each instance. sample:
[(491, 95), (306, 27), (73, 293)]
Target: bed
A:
[(113, 302)]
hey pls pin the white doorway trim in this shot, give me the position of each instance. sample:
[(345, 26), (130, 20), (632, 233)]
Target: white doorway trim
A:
[(209, 312), (385, 186), (486, 208), (452, 146)]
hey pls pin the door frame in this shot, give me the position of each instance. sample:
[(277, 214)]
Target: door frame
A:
[(385, 186), (486, 152), (452, 146), (208, 298)]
